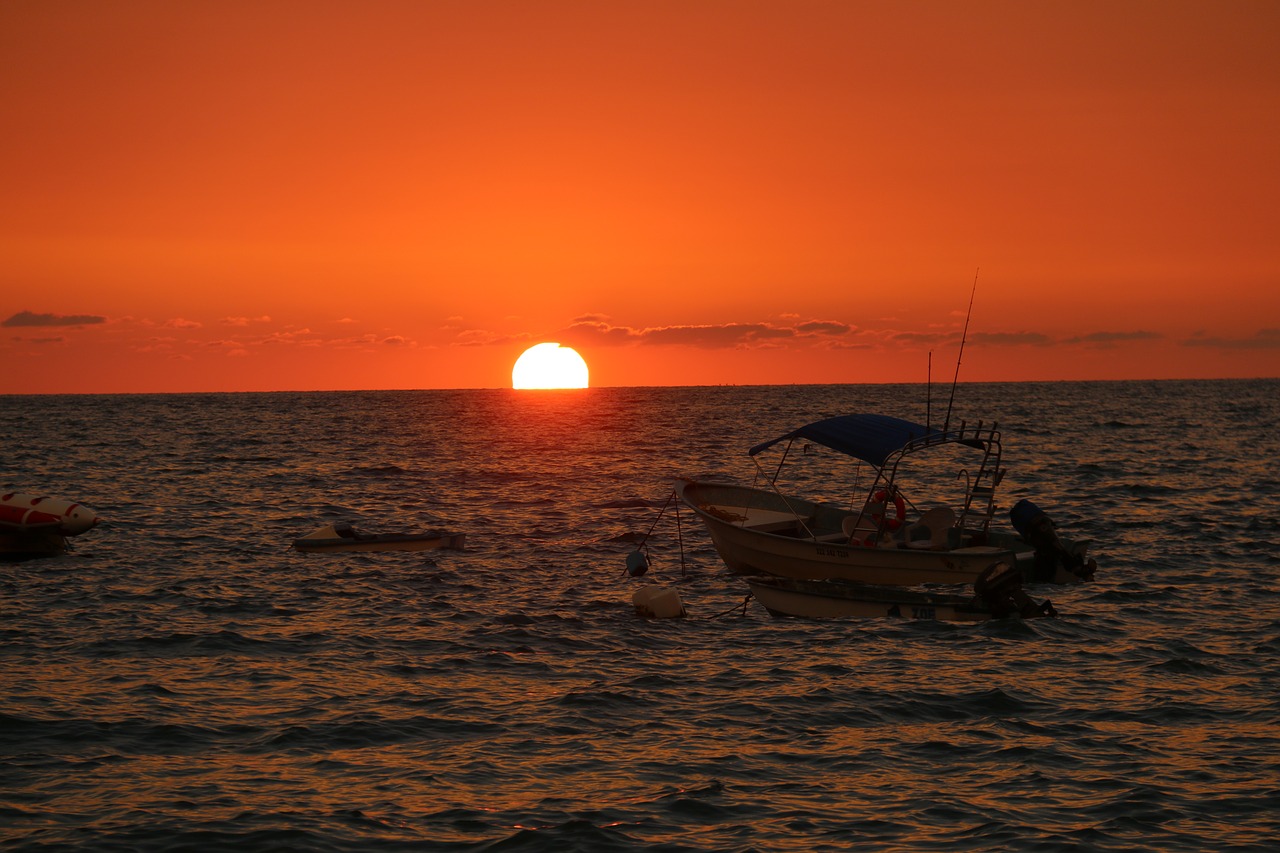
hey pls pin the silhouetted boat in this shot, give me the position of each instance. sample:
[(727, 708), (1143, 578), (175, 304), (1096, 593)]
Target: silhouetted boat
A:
[(882, 537), (997, 594), (344, 537)]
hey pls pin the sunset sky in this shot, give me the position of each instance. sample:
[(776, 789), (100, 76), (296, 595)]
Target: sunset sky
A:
[(222, 196)]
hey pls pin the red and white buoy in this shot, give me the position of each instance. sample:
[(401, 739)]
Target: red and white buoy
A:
[(21, 513)]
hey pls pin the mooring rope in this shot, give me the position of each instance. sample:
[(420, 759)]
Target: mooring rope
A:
[(643, 545), (742, 607)]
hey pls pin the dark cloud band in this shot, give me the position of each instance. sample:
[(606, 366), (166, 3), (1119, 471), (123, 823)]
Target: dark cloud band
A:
[(30, 318)]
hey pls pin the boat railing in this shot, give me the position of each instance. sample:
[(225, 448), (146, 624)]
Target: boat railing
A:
[(980, 496), (979, 500), (773, 484)]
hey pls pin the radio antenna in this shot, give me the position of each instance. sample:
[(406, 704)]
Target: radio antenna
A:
[(963, 337), (928, 392)]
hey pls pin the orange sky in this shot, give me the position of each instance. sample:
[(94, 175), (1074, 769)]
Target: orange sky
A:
[(270, 195)]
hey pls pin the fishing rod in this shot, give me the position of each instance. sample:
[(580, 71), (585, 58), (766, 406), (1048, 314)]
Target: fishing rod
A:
[(928, 392), (963, 337)]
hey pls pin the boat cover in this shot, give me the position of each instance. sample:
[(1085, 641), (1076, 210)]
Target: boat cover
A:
[(871, 438)]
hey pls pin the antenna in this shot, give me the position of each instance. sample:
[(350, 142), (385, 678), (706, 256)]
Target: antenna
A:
[(928, 393), (963, 337)]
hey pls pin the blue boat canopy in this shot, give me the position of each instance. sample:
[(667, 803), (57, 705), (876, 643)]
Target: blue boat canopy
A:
[(871, 438)]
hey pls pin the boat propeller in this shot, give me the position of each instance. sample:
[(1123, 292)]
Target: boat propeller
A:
[(999, 588)]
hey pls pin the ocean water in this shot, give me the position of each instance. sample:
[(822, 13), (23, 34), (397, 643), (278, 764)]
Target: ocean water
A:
[(183, 680)]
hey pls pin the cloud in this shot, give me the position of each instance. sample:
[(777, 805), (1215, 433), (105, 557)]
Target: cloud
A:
[(244, 321), (360, 342), (395, 340), (1012, 339), (1107, 339), (484, 338), (1264, 339), (715, 336), (593, 331), (28, 318), (919, 338), (596, 330), (180, 323), (823, 327), (288, 336)]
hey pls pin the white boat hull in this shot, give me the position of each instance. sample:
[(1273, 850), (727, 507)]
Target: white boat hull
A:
[(756, 532), (839, 600)]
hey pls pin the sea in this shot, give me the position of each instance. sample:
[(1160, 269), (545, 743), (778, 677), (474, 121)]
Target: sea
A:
[(184, 680)]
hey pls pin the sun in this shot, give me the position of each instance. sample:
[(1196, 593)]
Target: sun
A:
[(549, 366)]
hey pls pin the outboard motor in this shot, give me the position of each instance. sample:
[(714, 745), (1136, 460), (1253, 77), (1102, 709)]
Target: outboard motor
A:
[(999, 588), (1038, 529)]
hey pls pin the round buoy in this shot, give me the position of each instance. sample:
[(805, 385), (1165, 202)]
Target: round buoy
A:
[(637, 564)]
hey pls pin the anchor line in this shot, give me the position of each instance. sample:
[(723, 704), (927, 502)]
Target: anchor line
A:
[(680, 537), (644, 541), (670, 497), (742, 607)]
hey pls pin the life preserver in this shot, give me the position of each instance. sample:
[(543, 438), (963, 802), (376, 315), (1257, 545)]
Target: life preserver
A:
[(899, 506)]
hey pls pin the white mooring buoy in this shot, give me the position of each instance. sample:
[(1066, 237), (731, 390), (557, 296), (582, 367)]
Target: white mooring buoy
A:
[(658, 602)]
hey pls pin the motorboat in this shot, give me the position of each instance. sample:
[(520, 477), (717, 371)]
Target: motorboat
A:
[(34, 526), (997, 594), (344, 537), (943, 535)]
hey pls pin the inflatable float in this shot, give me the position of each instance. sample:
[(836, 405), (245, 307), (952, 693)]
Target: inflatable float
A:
[(36, 526)]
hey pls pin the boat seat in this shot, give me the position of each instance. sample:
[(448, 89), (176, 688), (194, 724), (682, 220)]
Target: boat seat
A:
[(930, 530), (853, 532)]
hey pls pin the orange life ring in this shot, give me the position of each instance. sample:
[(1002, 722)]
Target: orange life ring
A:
[(899, 506)]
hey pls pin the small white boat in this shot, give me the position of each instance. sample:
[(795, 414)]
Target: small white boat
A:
[(36, 526), (344, 537), (997, 594), (882, 537)]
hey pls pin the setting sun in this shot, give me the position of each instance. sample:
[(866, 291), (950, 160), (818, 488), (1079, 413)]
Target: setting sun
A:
[(564, 186), (549, 366)]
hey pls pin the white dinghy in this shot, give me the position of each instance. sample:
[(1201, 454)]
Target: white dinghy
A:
[(997, 594)]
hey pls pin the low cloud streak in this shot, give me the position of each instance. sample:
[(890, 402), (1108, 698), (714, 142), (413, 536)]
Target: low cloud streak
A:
[(1264, 339), (30, 318)]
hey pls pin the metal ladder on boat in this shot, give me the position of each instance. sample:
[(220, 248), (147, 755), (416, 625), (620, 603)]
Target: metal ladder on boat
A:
[(980, 498)]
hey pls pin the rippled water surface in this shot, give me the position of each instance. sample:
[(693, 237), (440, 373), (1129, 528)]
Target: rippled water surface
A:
[(184, 680)]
